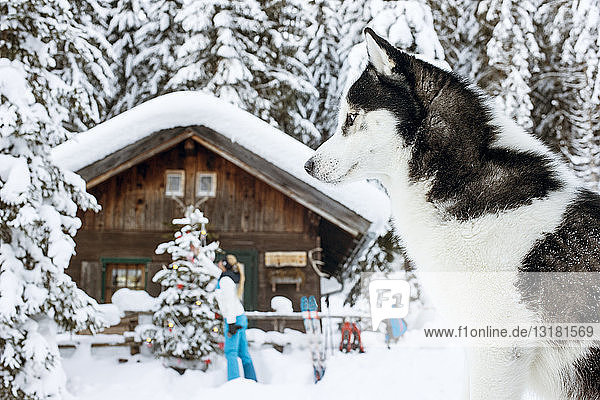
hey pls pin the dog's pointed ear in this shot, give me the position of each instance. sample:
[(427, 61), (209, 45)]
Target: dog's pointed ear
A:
[(380, 53)]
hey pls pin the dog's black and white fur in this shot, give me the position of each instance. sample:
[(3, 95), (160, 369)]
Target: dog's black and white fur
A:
[(470, 191)]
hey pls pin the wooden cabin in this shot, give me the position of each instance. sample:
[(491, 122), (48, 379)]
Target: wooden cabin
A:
[(271, 218)]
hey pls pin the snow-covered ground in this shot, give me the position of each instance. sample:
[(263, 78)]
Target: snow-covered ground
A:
[(416, 367), (404, 371)]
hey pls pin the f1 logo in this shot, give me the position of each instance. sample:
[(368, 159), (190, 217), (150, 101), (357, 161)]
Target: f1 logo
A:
[(389, 298)]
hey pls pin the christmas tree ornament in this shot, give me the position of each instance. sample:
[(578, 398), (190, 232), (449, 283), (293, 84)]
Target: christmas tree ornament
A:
[(203, 235)]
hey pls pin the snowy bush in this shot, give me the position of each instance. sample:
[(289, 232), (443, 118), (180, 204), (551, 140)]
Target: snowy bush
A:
[(133, 300), (282, 305)]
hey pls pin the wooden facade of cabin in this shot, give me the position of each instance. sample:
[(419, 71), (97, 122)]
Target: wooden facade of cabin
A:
[(257, 212)]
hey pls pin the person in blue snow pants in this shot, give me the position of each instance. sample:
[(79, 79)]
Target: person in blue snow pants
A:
[(236, 323), (236, 346)]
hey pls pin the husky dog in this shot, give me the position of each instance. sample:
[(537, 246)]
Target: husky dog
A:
[(470, 191)]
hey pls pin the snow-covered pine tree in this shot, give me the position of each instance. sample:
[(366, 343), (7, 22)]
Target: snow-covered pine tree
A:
[(286, 84), (408, 25), (512, 52), (323, 64), (250, 53), (183, 327), (81, 59), (38, 200), (459, 32), (550, 98), (194, 59), (126, 18), (353, 14), (566, 84), (88, 69), (157, 40), (220, 54)]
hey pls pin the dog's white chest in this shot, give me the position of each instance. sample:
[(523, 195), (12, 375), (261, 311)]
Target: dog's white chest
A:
[(468, 268)]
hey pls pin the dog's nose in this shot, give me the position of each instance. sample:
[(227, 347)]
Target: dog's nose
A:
[(309, 166)]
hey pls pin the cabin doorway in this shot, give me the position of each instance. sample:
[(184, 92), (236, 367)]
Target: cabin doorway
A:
[(250, 260)]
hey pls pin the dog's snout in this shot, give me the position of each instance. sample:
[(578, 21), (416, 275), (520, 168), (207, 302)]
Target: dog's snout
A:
[(309, 166)]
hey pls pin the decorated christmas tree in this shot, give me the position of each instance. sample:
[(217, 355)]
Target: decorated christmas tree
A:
[(184, 330)]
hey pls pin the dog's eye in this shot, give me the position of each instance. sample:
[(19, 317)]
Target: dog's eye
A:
[(350, 118)]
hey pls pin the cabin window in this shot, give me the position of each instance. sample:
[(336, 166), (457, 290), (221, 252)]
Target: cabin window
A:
[(206, 184), (121, 273), (175, 182)]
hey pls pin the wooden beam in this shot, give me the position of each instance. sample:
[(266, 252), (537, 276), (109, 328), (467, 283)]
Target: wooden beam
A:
[(132, 154)]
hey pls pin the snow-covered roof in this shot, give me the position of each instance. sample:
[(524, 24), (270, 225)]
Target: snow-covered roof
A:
[(182, 109)]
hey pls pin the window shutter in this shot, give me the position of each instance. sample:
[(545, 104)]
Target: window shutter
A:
[(91, 278)]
